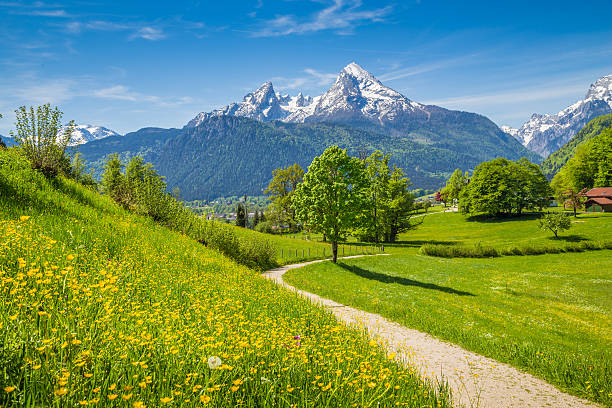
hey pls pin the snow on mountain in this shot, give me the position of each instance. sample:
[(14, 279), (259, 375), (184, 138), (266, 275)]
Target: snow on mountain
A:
[(544, 134), (87, 133), (355, 95), (512, 132)]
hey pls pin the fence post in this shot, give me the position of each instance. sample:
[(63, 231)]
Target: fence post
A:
[(281, 253), (323, 252)]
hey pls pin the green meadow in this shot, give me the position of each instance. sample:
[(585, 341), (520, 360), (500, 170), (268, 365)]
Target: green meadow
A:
[(550, 315), (99, 306)]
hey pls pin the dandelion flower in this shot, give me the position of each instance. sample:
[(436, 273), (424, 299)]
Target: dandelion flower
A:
[(24, 218), (165, 400), (61, 391), (214, 362), (205, 399), (9, 389)]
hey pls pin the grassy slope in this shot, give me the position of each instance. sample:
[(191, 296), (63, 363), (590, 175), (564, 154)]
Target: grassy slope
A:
[(548, 314), (100, 306)]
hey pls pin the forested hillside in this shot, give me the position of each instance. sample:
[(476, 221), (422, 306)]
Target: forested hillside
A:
[(229, 155), (555, 161)]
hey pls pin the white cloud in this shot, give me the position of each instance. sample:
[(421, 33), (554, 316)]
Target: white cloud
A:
[(312, 79), (518, 96), (149, 33), (123, 93), (53, 92), (341, 15)]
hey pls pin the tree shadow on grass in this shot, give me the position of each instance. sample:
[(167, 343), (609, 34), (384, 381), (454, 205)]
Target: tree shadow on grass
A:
[(568, 238), (419, 243), (364, 273), (503, 218)]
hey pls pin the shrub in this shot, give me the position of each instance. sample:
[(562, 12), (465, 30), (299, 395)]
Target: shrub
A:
[(459, 251), (43, 139), (265, 227)]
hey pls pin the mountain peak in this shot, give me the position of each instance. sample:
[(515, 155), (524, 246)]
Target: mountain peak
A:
[(601, 89), (356, 70)]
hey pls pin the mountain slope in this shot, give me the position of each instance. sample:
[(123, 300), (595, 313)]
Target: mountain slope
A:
[(359, 100), (545, 134), (555, 161), (230, 155)]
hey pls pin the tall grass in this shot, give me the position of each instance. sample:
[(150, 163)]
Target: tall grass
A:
[(100, 306)]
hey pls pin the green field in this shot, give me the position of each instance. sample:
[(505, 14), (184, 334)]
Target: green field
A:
[(548, 314), (102, 307)]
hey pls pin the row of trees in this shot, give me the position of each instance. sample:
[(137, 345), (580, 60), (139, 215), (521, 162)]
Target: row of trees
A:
[(498, 187), (341, 195)]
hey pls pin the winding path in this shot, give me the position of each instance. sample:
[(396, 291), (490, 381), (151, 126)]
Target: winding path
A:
[(475, 381)]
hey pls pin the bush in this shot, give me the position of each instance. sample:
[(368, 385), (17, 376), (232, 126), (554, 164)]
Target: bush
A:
[(459, 251), (43, 139), (265, 227), (478, 251)]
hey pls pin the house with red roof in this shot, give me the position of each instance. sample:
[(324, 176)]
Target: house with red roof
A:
[(599, 200)]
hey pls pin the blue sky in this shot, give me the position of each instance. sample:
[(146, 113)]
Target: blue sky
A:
[(129, 64)]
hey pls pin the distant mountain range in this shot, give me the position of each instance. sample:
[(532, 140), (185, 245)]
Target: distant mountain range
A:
[(544, 134), (233, 150), (82, 134), (87, 133)]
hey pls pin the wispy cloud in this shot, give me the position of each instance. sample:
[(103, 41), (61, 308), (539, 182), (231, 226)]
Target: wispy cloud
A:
[(54, 92), (341, 15), (123, 93), (149, 33), (311, 79), (521, 95)]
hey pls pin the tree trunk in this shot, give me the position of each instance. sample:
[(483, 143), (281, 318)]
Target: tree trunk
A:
[(575, 214), (334, 251)]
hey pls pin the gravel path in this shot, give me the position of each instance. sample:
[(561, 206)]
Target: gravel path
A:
[(475, 381)]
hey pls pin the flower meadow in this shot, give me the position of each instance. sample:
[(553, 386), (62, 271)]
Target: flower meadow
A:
[(102, 307)]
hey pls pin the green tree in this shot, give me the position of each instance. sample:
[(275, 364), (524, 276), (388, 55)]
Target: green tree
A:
[(112, 178), (501, 186), (378, 174), (241, 216), (400, 204), (280, 191), (78, 172), (555, 222), (332, 196), (43, 139), (574, 199), (455, 184)]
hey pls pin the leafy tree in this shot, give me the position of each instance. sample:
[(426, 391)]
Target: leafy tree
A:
[(501, 186), (332, 196), (574, 199), (112, 178), (388, 201), (555, 222), (426, 205), (241, 215), (77, 171), (378, 174), (39, 134), (280, 191), (455, 184), (400, 202)]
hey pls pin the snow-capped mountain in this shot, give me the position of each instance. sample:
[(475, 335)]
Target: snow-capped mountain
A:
[(545, 134), (86, 133), (355, 95)]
